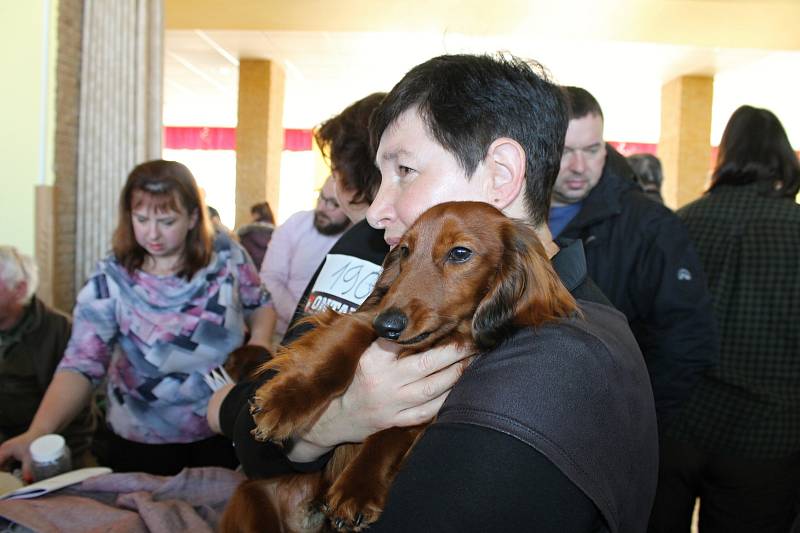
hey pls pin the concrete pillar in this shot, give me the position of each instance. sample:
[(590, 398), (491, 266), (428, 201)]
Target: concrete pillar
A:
[(60, 276), (45, 243), (108, 118), (259, 135), (120, 114), (685, 144)]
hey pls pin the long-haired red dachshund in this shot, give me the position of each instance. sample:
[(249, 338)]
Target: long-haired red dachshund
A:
[(462, 274)]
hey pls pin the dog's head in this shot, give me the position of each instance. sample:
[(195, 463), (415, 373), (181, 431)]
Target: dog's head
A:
[(464, 269)]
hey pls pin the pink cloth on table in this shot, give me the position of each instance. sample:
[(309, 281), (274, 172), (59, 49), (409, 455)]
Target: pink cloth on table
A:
[(192, 501)]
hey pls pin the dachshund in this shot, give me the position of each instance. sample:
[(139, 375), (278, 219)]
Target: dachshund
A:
[(463, 274)]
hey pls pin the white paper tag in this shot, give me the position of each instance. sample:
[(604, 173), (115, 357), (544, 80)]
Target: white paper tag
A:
[(343, 284)]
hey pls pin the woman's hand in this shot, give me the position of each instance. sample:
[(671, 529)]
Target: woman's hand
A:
[(214, 403), (18, 448), (66, 395), (386, 392), (262, 326)]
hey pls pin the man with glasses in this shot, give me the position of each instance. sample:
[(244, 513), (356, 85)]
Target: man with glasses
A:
[(297, 248)]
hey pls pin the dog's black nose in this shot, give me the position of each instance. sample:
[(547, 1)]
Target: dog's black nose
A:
[(390, 323)]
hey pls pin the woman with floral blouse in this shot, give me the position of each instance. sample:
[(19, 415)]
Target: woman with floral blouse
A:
[(167, 306)]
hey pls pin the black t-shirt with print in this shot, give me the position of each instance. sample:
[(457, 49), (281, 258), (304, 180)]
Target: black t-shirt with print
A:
[(344, 279)]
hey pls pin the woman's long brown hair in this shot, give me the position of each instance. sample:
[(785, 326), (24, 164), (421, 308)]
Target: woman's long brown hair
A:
[(171, 186)]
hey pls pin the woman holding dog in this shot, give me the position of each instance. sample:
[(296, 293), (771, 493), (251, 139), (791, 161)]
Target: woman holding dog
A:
[(167, 306), (555, 428), (344, 139)]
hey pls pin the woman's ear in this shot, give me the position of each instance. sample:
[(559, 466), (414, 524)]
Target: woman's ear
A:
[(506, 163), (193, 217)]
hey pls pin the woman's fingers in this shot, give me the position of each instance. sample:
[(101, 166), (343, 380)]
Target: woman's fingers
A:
[(27, 469), (390, 385), (5, 456), (381, 360), (431, 361), (389, 391), (422, 413), (14, 449), (17, 449), (431, 386)]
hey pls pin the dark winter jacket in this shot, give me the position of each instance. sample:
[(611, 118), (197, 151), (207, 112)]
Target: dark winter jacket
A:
[(29, 355), (639, 254), (255, 239)]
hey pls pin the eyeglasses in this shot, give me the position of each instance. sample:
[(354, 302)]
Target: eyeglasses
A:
[(328, 201)]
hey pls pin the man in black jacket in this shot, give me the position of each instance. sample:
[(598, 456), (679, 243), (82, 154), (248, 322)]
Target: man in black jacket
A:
[(638, 252)]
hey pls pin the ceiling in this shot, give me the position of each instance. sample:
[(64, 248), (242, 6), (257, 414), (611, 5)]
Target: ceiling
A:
[(765, 24), (331, 60)]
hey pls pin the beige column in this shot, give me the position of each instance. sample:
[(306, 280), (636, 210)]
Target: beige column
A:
[(685, 144), (108, 118), (45, 245), (259, 135), (120, 114), (65, 158)]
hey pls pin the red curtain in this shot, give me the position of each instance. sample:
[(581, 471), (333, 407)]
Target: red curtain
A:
[(627, 149), (207, 138)]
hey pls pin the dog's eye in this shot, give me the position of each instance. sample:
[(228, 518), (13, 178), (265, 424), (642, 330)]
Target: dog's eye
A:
[(404, 252), (459, 254)]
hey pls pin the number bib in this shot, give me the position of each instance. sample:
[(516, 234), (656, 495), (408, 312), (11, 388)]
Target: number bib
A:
[(343, 284)]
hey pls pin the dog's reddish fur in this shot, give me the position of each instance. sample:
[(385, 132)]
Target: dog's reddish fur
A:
[(506, 281), (244, 361)]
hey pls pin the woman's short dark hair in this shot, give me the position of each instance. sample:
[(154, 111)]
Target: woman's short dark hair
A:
[(262, 212), (172, 186), (754, 147), (344, 142), (647, 168), (469, 101)]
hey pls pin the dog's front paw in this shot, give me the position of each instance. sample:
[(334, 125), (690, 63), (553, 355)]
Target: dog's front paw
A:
[(279, 408), (351, 506)]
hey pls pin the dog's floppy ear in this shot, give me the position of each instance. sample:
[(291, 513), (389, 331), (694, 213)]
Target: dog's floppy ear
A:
[(526, 290), (391, 269)]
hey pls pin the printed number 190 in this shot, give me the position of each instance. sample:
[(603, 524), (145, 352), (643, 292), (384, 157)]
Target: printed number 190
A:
[(349, 279)]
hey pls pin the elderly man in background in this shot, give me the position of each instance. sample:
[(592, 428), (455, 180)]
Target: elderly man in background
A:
[(296, 249), (32, 340)]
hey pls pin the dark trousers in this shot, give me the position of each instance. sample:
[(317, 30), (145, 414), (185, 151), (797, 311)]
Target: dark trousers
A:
[(736, 494), (168, 459)]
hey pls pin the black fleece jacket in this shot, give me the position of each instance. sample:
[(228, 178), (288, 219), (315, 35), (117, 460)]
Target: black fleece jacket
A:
[(639, 253)]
